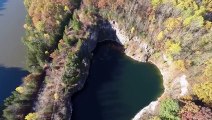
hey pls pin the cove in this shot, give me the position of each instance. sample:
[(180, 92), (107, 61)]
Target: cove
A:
[(117, 87)]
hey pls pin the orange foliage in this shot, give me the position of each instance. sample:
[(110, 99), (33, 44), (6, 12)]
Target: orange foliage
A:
[(102, 3), (49, 12), (120, 2)]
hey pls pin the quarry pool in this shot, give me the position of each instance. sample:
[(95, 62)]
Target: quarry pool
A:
[(117, 88)]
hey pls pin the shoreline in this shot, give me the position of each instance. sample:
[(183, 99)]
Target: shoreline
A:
[(139, 56)]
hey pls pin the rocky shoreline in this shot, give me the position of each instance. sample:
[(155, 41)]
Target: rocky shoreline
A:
[(142, 54)]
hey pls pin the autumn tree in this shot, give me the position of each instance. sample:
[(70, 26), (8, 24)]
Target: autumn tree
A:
[(204, 91), (191, 111)]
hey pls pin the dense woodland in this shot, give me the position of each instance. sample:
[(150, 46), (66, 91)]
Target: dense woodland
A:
[(57, 29)]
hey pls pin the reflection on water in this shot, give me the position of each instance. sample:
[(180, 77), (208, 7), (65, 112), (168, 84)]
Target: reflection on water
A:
[(12, 18), (117, 87), (2, 4), (10, 78)]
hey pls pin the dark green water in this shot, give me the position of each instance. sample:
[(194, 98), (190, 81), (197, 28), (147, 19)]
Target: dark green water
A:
[(117, 87)]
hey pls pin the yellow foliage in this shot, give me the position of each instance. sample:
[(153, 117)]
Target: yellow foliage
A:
[(207, 4), (180, 65), (66, 8), (169, 57), (39, 26), (56, 97), (155, 3), (198, 21), (208, 25), (204, 91), (46, 36), (189, 106), (20, 89), (132, 30), (200, 12), (187, 21), (187, 98), (172, 23), (172, 48), (160, 36), (186, 4), (31, 116)]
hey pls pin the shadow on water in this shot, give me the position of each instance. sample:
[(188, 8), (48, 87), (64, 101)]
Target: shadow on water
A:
[(10, 78), (2, 4), (86, 102), (117, 86)]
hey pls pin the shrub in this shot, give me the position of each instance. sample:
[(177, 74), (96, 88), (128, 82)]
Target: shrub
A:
[(169, 109)]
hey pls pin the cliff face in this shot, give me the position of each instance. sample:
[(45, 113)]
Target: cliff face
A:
[(140, 51)]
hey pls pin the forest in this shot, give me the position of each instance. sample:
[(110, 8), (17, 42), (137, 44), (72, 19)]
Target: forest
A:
[(57, 32)]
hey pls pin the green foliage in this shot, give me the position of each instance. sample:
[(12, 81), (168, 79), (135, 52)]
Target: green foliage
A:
[(79, 44), (21, 100), (70, 40), (160, 36), (155, 3), (169, 109), (75, 23), (204, 91), (36, 55), (72, 70)]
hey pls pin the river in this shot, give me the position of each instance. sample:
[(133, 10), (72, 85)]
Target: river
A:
[(12, 50), (117, 88)]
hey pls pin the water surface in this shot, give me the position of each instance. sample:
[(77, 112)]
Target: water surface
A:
[(117, 87), (12, 52), (12, 18)]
